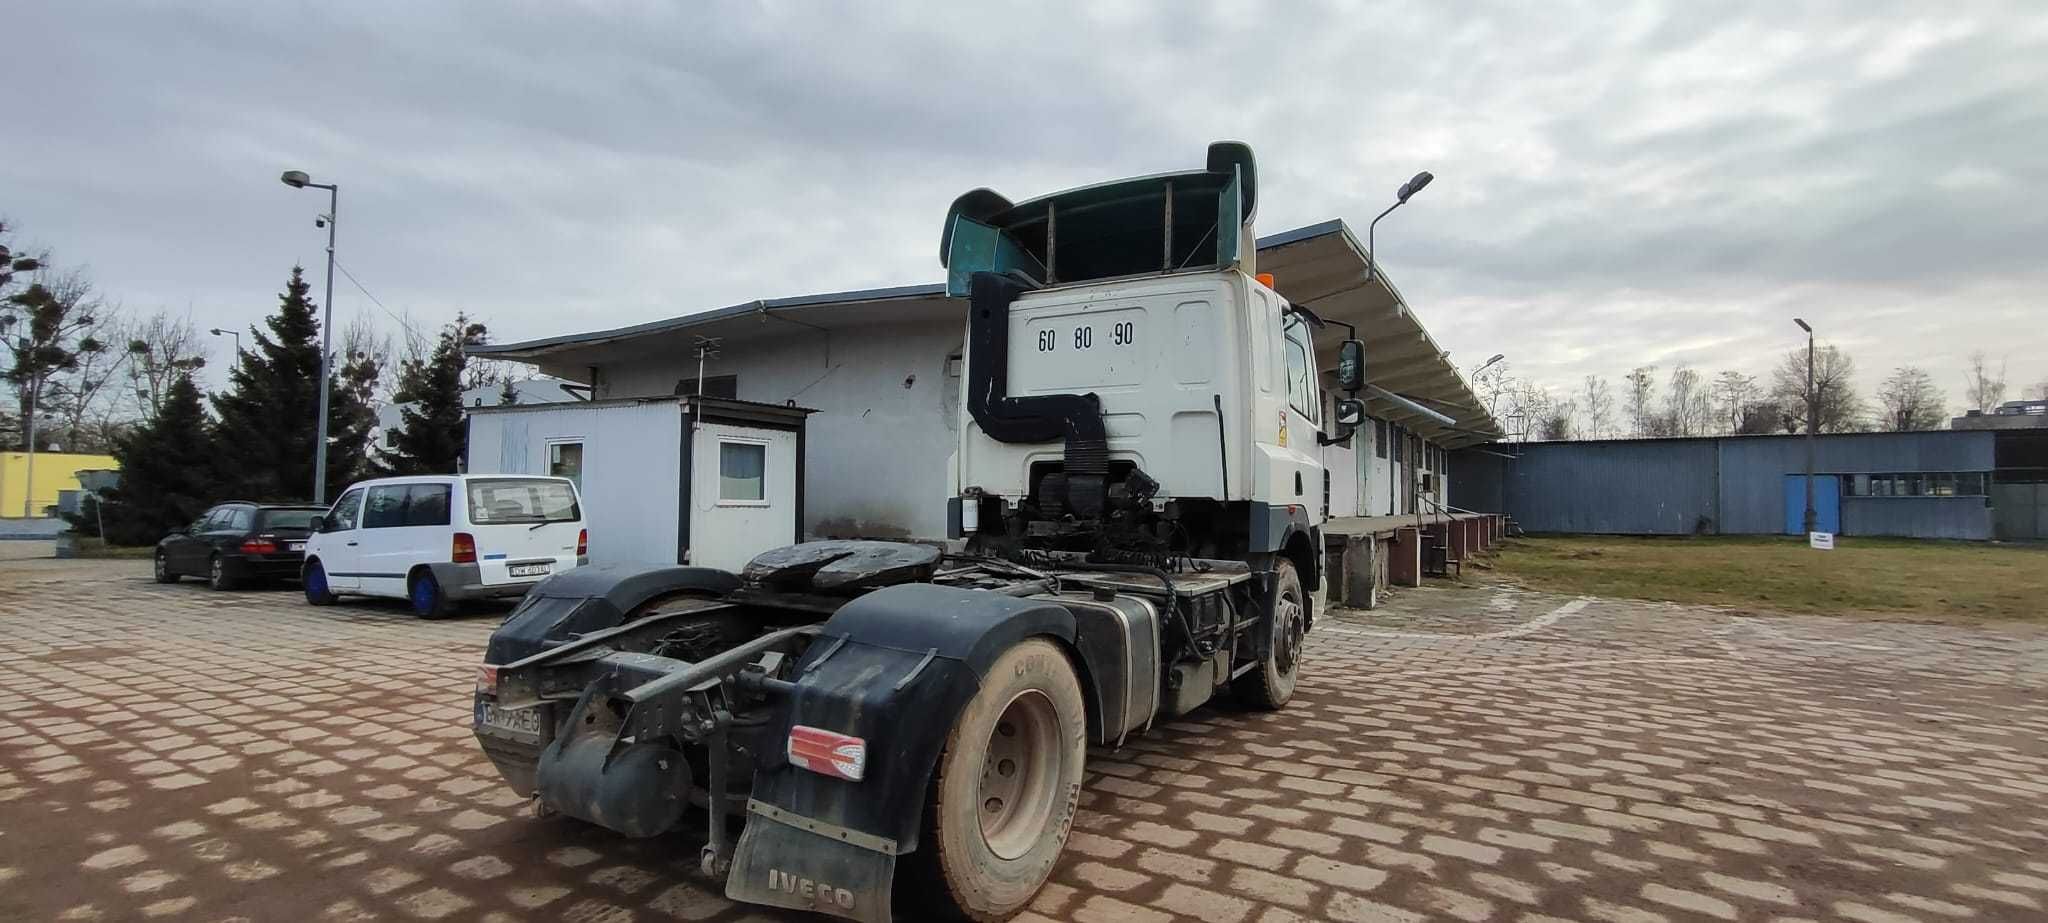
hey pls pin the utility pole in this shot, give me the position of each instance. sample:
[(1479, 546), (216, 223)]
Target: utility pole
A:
[(1812, 427), (28, 494), (298, 180)]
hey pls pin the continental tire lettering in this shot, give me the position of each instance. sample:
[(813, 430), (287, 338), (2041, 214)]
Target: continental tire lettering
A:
[(815, 893)]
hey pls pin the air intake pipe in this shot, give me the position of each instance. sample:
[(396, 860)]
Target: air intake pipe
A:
[(1076, 418)]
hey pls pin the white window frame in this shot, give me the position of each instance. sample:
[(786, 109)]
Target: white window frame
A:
[(718, 471), (547, 458)]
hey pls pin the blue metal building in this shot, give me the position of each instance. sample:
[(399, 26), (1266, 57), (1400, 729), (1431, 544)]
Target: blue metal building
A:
[(1924, 485)]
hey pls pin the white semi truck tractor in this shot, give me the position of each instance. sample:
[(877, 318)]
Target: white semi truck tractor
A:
[(899, 730)]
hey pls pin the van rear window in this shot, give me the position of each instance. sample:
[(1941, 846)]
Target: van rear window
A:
[(503, 501)]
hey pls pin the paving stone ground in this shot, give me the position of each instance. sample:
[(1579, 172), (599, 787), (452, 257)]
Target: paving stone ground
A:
[(1465, 754)]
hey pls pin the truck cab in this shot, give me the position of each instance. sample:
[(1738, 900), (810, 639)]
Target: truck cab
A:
[(1132, 383)]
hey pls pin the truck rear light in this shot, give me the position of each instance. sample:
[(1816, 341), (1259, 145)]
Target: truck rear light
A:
[(464, 550), (828, 753), (487, 679), (582, 542), (259, 546)]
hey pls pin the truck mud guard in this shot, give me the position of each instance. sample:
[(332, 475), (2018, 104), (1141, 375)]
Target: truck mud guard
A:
[(893, 669), (589, 599)]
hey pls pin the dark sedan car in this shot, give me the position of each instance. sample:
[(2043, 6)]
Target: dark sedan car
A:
[(238, 542)]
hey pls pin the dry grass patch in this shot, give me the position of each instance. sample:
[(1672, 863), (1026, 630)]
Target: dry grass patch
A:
[(1939, 580)]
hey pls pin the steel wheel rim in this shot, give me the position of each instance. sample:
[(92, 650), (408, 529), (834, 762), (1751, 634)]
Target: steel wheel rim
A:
[(1020, 775), (161, 567), (1287, 633), (216, 570)]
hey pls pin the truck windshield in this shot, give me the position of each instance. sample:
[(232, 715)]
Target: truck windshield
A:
[(502, 501)]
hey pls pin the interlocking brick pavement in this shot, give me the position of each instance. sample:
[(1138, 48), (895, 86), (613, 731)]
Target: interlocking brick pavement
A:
[(1465, 754)]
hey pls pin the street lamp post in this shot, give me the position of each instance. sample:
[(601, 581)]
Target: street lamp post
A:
[(237, 334), (1812, 424), (297, 179)]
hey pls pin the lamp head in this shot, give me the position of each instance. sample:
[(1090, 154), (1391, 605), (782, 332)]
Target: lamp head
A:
[(297, 179), (1414, 186), (1802, 325)]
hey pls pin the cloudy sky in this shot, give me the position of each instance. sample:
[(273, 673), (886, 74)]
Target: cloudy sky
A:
[(1618, 184)]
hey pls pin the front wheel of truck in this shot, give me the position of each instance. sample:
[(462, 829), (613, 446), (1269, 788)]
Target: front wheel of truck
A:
[(1271, 683), (1004, 792)]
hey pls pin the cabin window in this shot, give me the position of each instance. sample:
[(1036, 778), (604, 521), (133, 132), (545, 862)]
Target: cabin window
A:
[(742, 472)]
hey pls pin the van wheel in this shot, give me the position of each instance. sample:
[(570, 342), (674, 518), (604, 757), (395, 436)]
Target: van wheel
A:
[(1003, 795), (1271, 683), (428, 601), (163, 569), (314, 580)]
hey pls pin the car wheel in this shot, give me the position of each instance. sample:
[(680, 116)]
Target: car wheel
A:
[(1005, 790), (428, 600), (217, 575), (163, 569), (314, 580)]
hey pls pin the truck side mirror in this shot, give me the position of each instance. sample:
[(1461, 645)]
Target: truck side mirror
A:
[(1351, 368), (1349, 417)]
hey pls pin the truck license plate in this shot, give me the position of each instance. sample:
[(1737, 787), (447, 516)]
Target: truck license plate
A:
[(519, 722), (530, 570)]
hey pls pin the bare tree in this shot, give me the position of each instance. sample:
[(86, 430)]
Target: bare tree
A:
[(1596, 403), (1491, 384), (1529, 405), (161, 349), (1734, 392), (1558, 421), (1688, 405), (50, 328), (1642, 391), (1765, 417), (1839, 408), (1983, 387), (84, 398), (366, 347), (1910, 401)]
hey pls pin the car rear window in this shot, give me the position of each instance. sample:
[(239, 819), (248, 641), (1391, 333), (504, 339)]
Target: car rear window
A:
[(501, 501), (289, 519)]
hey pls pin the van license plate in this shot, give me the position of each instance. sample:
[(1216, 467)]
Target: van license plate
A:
[(530, 570), (519, 722)]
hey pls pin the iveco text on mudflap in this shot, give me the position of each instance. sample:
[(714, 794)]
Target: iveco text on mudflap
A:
[(892, 726)]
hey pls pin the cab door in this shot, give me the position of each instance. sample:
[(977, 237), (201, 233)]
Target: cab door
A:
[(1304, 411)]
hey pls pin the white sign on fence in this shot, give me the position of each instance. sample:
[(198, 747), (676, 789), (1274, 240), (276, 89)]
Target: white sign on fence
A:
[(1824, 541)]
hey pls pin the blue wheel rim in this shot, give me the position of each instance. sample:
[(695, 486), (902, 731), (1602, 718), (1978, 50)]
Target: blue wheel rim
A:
[(423, 594), (316, 582)]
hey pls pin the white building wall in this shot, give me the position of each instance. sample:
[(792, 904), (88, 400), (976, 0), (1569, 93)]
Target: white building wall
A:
[(632, 476), (876, 451)]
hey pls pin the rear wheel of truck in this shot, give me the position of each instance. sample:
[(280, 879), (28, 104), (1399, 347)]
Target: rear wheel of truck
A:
[(1270, 684), (1004, 792)]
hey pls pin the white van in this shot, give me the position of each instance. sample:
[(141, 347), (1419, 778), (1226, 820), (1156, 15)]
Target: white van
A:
[(438, 539)]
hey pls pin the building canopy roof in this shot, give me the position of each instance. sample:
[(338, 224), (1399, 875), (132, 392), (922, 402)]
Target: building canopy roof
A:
[(1323, 266)]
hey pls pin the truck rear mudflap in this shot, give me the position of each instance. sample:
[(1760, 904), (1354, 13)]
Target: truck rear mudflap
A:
[(789, 861)]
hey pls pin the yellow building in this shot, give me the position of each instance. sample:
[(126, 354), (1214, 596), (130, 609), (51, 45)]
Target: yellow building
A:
[(54, 471)]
